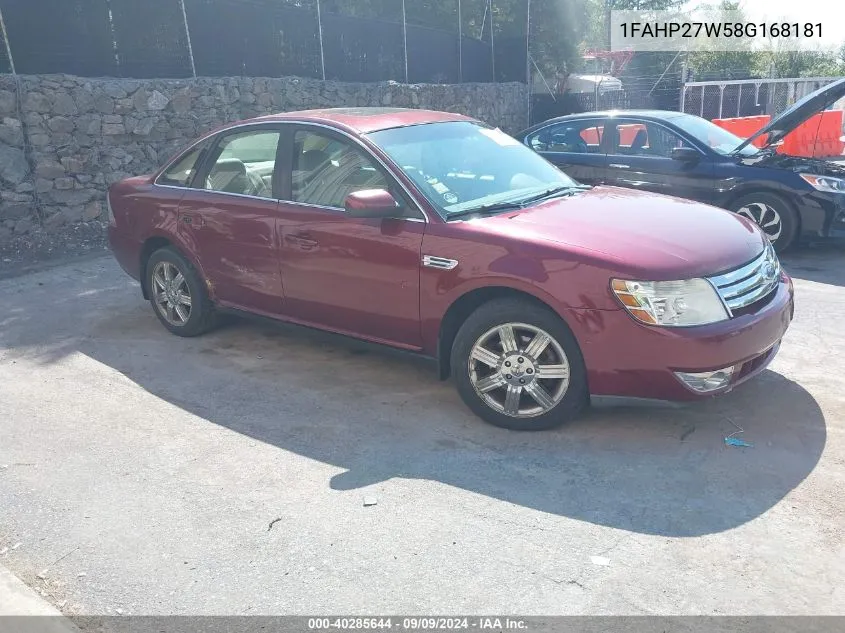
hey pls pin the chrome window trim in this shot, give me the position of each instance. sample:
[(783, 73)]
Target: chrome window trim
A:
[(337, 130), (222, 193), (324, 207)]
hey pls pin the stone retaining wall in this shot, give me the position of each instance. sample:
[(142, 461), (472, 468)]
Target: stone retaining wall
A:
[(65, 139)]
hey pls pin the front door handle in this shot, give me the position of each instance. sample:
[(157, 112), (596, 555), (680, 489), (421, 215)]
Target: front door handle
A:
[(619, 166), (302, 240)]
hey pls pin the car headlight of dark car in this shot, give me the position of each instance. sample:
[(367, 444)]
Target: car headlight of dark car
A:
[(825, 183)]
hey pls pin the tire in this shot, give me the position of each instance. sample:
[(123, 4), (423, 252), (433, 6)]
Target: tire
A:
[(192, 312), (484, 385), (759, 207)]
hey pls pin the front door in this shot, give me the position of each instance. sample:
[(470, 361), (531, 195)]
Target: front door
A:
[(353, 275), (575, 146), (230, 218), (639, 157)]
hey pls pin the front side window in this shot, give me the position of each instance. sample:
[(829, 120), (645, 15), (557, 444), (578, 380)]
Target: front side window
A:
[(645, 139), (574, 137), (181, 173), (245, 164), (326, 169), (461, 165)]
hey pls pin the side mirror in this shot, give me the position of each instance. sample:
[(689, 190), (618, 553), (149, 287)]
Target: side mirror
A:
[(371, 203), (685, 154)]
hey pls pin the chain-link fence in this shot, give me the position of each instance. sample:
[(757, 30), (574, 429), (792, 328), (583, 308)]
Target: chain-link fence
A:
[(747, 97), (349, 40)]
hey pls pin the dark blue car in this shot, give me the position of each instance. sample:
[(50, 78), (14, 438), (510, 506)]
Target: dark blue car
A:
[(689, 157)]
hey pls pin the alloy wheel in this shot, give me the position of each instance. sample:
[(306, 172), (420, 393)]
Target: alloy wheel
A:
[(765, 216), (519, 370), (171, 293)]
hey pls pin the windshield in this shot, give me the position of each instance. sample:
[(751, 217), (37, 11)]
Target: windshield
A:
[(461, 165), (718, 139)]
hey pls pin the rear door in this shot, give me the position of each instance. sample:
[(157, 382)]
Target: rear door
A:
[(639, 157), (229, 218), (576, 146)]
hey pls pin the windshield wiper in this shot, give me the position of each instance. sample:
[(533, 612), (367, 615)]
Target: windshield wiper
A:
[(554, 191), (519, 204), (487, 208)]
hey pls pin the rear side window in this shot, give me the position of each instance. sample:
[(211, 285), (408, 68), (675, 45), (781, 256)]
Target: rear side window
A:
[(182, 171), (576, 137), (245, 164)]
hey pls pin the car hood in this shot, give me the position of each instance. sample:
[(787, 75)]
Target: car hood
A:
[(645, 235), (798, 164), (800, 111)]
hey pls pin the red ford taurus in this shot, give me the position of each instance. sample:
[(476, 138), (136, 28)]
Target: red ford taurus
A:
[(436, 233)]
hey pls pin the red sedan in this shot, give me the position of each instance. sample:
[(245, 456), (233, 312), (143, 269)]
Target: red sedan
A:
[(436, 233)]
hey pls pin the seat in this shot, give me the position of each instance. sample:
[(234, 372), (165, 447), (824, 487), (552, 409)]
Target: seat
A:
[(307, 166), (639, 142), (229, 175), (570, 140)]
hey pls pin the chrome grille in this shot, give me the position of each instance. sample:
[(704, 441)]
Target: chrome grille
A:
[(749, 283)]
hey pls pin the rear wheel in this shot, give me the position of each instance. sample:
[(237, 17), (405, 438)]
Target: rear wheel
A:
[(517, 365), (771, 213), (177, 294)]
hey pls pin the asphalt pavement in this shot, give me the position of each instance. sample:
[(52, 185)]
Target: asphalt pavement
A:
[(276, 470)]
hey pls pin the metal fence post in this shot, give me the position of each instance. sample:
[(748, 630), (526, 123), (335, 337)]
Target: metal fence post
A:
[(460, 46), (405, 39), (492, 48), (528, 55), (320, 34), (188, 37), (6, 41)]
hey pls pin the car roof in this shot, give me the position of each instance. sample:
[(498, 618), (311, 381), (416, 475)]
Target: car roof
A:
[(652, 115), (364, 120)]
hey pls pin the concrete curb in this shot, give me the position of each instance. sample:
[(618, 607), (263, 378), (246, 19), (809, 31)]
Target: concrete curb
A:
[(16, 599)]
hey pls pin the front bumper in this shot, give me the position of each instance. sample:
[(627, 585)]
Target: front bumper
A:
[(822, 214), (626, 358)]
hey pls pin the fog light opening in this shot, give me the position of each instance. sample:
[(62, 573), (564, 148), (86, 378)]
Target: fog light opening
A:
[(706, 381)]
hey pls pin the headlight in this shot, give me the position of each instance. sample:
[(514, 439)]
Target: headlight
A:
[(825, 183), (672, 303)]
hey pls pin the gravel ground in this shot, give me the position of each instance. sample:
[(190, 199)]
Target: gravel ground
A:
[(44, 249)]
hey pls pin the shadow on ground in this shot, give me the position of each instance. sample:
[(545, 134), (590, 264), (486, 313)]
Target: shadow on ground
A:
[(380, 414), (822, 262)]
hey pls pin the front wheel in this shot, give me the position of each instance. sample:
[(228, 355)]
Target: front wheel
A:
[(517, 366), (771, 213)]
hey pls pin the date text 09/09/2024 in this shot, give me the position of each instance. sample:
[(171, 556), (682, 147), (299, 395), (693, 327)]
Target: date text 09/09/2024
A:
[(721, 29), (417, 623)]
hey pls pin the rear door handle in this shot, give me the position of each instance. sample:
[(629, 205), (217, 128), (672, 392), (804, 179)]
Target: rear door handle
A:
[(619, 166), (192, 220)]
